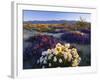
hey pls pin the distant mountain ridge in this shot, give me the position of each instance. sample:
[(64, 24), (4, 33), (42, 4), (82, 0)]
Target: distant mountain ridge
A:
[(51, 22)]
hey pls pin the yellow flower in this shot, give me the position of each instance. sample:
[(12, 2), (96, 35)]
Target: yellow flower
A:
[(58, 49), (74, 49), (63, 48), (75, 63), (76, 56)]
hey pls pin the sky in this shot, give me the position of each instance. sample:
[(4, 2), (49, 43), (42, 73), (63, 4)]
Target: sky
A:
[(31, 15)]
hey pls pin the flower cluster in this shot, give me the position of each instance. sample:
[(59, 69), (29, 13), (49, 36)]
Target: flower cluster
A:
[(60, 56)]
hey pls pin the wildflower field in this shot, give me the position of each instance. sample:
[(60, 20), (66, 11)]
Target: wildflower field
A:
[(57, 43)]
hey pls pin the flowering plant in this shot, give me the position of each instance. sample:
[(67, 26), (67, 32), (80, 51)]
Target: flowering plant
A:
[(60, 56)]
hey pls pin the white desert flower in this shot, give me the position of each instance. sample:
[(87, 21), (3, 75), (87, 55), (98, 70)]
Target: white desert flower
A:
[(58, 45), (54, 59), (65, 55), (49, 51), (50, 56), (45, 57), (49, 64), (41, 59), (67, 45), (60, 60), (55, 52), (44, 53), (79, 59), (44, 62)]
